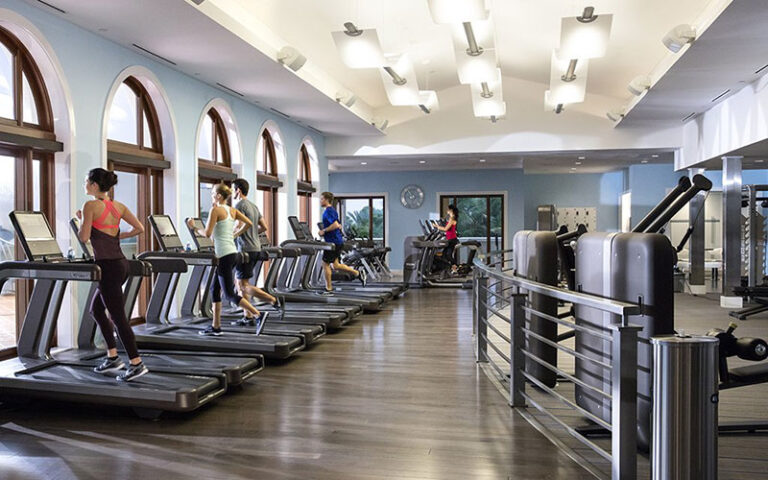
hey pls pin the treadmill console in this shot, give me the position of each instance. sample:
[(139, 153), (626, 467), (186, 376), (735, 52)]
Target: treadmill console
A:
[(85, 247), (36, 236), (298, 232), (202, 242), (165, 233)]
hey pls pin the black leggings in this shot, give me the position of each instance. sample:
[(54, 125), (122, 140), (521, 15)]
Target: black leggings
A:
[(109, 298), (225, 280), (450, 250)]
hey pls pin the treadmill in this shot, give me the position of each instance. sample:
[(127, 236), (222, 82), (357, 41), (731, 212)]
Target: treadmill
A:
[(290, 282), (237, 368), (315, 278), (161, 332), (276, 324), (38, 373)]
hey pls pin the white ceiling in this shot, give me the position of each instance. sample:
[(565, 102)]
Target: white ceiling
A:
[(526, 33), (203, 48), (594, 161), (729, 54)]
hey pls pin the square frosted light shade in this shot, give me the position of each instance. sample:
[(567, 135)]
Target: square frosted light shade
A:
[(585, 40), (489, 107), (401, 95), (481, 68), (567, 92), (457, 11), (428, 98), (362, 51)]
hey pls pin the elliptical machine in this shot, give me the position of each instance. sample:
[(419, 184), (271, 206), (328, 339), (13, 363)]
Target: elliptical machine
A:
[(424, 263)]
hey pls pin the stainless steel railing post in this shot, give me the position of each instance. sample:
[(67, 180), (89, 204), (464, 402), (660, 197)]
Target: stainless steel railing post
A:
[(481, 289), (516, 345), (624, 401)]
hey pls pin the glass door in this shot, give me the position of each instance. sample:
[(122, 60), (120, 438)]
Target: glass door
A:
[(481, 219)]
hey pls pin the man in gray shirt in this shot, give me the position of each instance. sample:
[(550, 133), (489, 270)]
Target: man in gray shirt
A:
[(249, 242)]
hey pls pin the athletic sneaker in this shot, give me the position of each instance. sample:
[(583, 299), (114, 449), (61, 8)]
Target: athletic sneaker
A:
[(243, 322), (109, 365), (133, 372), (363, 277), (210, 331), (325, 293), (260, 322)]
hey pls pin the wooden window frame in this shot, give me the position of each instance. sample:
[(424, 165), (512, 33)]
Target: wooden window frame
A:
[(144, 106), (148, 164), (488, 196), (220, 137), (27, 143), (370, 198), (24, 63), (304, 186)]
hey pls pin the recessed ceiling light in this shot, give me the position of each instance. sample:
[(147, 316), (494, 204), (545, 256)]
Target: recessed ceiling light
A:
[(654, 156), (578, 163), (759, 161), (582, 158), (422, 161), (573, 169), (482, 160), (643, 161), (363, 163)]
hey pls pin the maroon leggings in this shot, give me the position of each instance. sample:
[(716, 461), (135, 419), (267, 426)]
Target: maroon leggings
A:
[(109, 298)]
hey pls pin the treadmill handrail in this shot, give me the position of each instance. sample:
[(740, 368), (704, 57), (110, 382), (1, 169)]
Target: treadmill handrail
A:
[(191, 258), (314, 245), (167, 265)]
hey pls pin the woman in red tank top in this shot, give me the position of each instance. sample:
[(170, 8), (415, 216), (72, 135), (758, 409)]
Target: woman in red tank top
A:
[(100, 219), (449, 252)]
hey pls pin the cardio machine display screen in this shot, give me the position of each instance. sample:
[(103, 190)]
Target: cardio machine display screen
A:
[(169, 238), (34, 227), (35, 235), (202, 240)]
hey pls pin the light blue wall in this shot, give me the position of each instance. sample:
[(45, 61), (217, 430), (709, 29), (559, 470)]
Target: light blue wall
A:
[(649, 184), (404, 222), (91, 65), (524, 194), (575, 190)]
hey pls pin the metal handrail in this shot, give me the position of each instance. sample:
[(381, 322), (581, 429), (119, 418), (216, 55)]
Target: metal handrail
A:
[(604, 304), (497, 288)]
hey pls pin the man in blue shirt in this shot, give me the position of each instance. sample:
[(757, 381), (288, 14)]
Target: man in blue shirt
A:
[(331, 233)]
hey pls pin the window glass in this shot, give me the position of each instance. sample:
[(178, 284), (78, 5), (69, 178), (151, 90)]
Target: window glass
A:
[(123, 119), (29, 106), (7, 252), (219, 153), (205, 200), (378, 220), (6, 83), (204, 143), (147, 140)]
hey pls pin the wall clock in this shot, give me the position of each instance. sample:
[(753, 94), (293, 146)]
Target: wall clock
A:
[(412, 196)]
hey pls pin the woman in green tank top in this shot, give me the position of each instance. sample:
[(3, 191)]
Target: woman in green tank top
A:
[(221, 227)]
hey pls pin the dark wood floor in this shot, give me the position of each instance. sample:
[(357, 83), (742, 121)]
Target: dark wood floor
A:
[(396, 395)]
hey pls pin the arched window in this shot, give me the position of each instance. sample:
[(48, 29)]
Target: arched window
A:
[(27, 145), (304, 186), (268, 183), (135, 153), (214, 159)]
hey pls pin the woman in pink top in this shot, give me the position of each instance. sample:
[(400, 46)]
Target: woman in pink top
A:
[(449, 252)]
